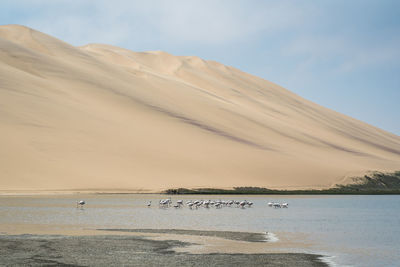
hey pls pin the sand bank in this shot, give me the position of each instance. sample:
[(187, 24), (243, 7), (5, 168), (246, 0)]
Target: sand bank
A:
[(38, 250)]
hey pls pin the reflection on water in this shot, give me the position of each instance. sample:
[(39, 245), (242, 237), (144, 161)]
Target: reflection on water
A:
[(358, 230)]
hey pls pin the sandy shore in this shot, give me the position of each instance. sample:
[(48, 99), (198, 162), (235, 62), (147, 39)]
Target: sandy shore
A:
[(238, 236), (100, 250)]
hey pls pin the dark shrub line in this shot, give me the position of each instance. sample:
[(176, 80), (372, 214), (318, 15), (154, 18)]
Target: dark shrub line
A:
[(376, 184)]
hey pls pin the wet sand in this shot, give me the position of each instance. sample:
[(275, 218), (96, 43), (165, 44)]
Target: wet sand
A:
[(240, 236), (100, 250)]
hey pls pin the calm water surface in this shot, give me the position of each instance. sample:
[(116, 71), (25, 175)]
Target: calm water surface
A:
[(355, 230)]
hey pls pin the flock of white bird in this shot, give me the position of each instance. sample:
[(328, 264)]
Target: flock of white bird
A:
[(195, 204)]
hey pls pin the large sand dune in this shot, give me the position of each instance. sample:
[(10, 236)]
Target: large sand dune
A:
[(103, 117)]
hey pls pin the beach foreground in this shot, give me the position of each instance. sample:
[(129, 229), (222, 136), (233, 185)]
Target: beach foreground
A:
[(337, 227), (103, 250)]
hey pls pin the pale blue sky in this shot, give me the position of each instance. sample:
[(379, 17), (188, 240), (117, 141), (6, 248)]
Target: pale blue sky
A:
[(344, 55)]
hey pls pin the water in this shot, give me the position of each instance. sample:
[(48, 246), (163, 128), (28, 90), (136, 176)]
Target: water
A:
[(354, 230)]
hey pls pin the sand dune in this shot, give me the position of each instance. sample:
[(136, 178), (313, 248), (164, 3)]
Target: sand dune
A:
[(107, 118)]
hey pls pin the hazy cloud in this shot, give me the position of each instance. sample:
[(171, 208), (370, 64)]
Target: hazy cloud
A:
[(202, 22)]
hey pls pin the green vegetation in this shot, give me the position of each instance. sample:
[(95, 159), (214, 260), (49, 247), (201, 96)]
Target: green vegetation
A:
[(376, 184)]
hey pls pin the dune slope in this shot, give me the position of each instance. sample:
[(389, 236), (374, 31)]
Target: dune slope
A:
[(101, 117)]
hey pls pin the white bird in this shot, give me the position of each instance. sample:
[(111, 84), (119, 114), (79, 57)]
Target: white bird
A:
[(277, 205), (80, 203), (284, 205), (165, 202), (149, 204)]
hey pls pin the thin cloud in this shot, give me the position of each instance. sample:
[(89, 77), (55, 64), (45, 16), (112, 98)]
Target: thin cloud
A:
[(171, 22)]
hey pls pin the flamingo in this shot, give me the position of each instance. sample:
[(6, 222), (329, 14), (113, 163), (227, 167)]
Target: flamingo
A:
[(164, 202), (80, 203), (277, 205)]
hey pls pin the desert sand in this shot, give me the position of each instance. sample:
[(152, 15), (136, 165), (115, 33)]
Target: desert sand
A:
[(104, 118)]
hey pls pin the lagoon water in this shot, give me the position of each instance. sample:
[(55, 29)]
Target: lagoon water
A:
[(351, 230)]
